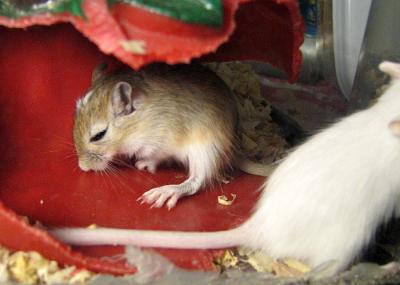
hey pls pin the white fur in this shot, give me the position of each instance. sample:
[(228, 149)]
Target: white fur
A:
[(326, 200), (85, 99), (79, 103), (82, 101), (201, 160)]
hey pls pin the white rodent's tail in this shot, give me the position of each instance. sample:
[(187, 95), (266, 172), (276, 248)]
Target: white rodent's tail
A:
[(147, 238)]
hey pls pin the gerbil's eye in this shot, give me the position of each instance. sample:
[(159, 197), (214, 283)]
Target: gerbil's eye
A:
[(98, 136)]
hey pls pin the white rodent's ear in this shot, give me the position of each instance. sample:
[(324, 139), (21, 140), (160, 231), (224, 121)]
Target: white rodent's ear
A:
[(122, 101), (394, 127), (390, 68)]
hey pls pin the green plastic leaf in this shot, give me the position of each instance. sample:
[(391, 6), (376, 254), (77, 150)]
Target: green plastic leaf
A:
[(16, 9), (72, 6), (205, 12)]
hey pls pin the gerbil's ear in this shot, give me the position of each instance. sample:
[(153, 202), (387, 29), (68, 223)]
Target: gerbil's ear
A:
[(98, 72), (122, 101), (390, 68), (394, 127)]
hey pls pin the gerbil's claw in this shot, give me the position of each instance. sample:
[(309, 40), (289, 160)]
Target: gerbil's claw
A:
[(158, 196), (172, 202), (170, 193), (140, 199)]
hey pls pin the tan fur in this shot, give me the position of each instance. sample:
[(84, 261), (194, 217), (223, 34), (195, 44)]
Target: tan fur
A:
[(177, 106)]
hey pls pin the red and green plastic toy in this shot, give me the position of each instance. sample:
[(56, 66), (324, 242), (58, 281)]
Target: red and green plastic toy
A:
[(45, 65)]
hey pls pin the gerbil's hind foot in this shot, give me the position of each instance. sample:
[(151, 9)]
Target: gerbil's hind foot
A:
[(170, 193)]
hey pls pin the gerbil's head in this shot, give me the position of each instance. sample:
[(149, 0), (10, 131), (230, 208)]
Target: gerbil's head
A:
[(98, 118)]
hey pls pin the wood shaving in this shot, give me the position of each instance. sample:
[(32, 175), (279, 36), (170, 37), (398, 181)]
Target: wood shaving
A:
[(134, 46), (283, 270), (223, 200), (32, 268), (229, 259), (260, 137), (295, 264), (261, 262)]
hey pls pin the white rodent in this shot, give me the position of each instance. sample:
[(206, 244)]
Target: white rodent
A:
[(324, 202), (184, 113)]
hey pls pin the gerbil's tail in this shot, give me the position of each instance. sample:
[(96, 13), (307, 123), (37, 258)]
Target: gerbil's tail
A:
[(146, 238), (256, 168)]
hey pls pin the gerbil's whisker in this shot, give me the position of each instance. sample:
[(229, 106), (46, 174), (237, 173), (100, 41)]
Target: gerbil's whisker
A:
[(71, 155), (138, 172), (119, 176), (108, 177), (70, 152), (54, 151), (105, 179), (113, 187), (63, 139), (124, 163)]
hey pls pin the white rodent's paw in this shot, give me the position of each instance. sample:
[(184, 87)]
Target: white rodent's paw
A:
[(148, 164), (158, 196)]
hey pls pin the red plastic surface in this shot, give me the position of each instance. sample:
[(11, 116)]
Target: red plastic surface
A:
[(17, 235), (266, 30), (43, 70)]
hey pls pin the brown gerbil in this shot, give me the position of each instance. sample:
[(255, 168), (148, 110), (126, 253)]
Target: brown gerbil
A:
[(185, 113)]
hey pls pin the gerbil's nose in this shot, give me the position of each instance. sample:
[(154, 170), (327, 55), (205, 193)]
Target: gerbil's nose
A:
[(83, 166)]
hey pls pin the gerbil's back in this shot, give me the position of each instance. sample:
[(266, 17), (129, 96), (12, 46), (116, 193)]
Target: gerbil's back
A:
[(189, 97), (194, 89)]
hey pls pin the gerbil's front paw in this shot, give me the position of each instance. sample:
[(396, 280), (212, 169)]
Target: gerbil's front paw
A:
[(150, 165), (158, 196)]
